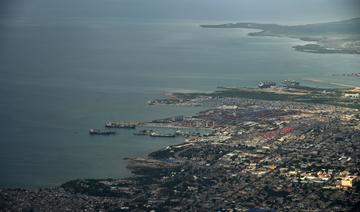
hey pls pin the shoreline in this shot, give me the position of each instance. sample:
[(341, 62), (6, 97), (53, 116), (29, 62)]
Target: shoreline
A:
[(255, 140), (337, 42)]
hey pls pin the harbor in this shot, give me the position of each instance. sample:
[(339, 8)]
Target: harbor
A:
[(258, 147)]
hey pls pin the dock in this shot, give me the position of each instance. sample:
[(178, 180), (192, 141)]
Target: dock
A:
[(124, 125)]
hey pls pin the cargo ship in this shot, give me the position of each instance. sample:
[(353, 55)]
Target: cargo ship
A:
[(266, 84), (101, 132), (155, 134)]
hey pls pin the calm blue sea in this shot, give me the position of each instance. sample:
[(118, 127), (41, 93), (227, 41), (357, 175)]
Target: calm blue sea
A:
[(61, 76)]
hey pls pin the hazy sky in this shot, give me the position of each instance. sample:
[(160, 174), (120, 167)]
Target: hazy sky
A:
[(291, 11)]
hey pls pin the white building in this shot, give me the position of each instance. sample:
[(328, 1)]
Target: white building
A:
[(352, 95)]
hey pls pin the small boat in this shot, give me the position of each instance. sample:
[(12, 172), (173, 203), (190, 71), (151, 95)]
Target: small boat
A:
[(101, 132)]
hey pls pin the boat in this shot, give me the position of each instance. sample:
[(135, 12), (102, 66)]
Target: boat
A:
[(101, 132), (266, 84), (155, 134)]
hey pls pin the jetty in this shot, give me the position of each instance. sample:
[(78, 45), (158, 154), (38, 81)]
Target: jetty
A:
[(125, 125)]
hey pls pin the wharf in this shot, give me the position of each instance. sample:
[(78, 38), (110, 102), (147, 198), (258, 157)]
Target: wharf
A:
[(126, 125)]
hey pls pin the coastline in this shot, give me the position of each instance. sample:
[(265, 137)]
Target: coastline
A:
[(335, 43), (251, 135)]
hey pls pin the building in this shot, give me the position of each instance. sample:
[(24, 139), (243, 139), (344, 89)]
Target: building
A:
[(266, 84), (352, 95), (348, 181), (291, 83)]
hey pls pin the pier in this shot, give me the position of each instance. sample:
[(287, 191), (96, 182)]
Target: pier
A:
[(118, 124)]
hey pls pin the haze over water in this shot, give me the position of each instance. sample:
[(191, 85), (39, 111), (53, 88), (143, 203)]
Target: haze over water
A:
[(61, 75)]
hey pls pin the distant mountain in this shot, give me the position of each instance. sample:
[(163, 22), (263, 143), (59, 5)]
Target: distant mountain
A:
[(332, 37)]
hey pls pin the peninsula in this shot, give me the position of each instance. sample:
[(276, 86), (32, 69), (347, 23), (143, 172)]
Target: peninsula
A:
[(333, 37)]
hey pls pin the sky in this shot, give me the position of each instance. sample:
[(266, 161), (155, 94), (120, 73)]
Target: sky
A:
[(281, 11)]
